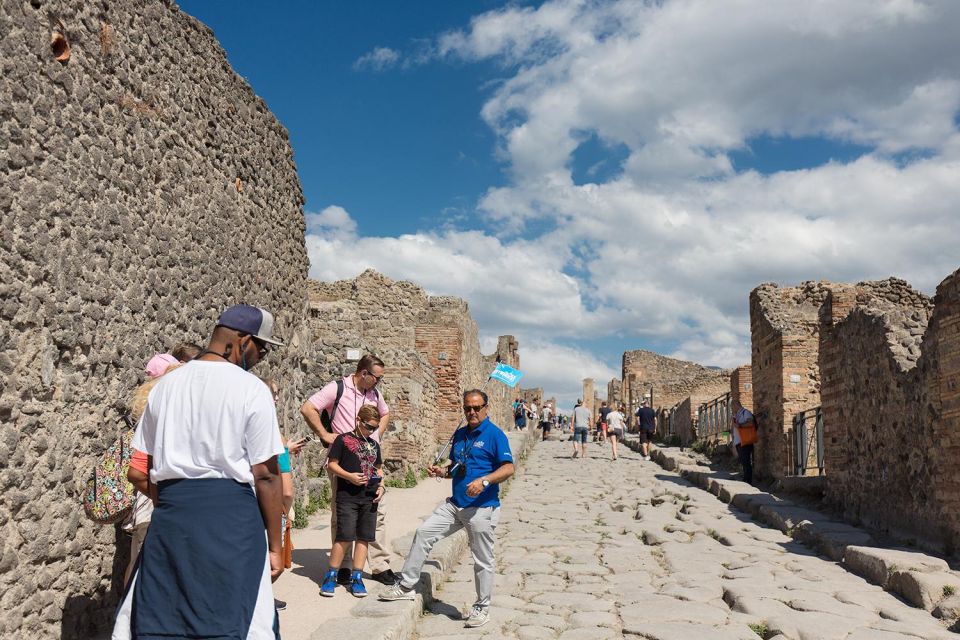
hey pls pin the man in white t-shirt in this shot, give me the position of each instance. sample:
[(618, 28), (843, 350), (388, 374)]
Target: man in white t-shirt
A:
[(211, 436), (546, 421)]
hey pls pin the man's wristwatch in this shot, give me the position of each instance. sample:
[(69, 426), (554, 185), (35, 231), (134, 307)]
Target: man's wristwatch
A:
[(485, 483)]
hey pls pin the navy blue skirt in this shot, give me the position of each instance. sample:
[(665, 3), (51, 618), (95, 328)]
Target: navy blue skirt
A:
[(200, 574)]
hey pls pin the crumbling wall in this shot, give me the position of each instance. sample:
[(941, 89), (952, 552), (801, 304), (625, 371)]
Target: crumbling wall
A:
[(615, 393), (881, 457), (670, 379), (684, 424), (501, 396), (144, 187), (741, 386), (589, 394), (431, 350), (785, 333)]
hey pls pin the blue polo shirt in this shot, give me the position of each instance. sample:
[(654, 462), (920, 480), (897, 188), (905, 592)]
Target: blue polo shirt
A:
[(482, 450)]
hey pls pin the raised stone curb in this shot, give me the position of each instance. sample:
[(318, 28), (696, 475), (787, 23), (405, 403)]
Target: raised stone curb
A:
[(376, 620), (922, 580)]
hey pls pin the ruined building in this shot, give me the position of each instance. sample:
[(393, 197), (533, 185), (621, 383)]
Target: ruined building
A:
[(881, 362), (431, 350)]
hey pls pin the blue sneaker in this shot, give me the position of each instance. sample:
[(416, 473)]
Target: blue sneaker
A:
[(356, 584), (329, 583)]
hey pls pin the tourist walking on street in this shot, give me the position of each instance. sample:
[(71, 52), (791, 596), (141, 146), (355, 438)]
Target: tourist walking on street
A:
[(546, 421), (647, 421), (615, 428), (356, 461), (341, 401), (480, 459), (519, 414), (210, 429), (602, 420), (581, 424), (744, 427)]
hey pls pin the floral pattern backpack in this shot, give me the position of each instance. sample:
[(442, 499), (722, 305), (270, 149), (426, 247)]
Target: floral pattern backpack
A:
[(109, 497)]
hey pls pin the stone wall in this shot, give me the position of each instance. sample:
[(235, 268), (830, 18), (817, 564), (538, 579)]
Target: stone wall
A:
[(615, 393), (431, 350), (672, 380), (144, 188), (785, 333), (589, 396), (741, 386), (684, 420), (880, 409)]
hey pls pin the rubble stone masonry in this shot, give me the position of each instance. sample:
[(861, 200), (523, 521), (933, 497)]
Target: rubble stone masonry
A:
[(144, 187), (672, 380)]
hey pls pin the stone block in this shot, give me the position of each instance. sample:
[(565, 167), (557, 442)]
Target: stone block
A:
[(878, 565)]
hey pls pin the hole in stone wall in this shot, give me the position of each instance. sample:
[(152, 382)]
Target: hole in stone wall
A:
[(59, 44), (108, 39)]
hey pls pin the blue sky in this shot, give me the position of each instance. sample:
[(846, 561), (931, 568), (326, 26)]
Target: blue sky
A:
[(608, 175)]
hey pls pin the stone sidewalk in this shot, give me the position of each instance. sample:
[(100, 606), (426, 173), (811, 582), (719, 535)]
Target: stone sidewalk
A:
[(595, 549)]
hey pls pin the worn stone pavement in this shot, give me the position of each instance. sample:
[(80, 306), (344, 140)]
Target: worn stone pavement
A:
[(596, 549)]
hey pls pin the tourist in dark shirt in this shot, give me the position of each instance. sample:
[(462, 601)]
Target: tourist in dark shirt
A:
[(356, 461), (647, 420)]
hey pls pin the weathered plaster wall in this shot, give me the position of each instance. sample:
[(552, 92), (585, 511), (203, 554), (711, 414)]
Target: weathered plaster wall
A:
[(143, 187)]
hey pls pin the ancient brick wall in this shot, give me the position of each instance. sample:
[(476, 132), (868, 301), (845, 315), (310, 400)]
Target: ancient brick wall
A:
[(589, 393), (741, 386), (431, 349), (785, 330), (880, 415), (671, 380), (144, 188), (501, 396)]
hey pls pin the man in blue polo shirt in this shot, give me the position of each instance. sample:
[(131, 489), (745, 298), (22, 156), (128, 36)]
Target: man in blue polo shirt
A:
[(480, 460)]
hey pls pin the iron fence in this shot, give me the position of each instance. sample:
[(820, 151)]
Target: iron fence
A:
[(713, 417), (807, 439)]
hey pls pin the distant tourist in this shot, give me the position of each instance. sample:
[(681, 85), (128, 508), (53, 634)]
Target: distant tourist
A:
[(615, 428), (647, 422), (355, 460), (480, 459), (519, 414), (546, 421), (342, 400), (210, 429), (744, 427), (602, 420), (580, 421)]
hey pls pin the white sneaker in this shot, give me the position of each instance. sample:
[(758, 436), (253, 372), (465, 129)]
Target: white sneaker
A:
[(646, 457), (397, 592), (478, 617)]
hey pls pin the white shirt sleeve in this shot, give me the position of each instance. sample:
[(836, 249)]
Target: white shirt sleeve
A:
[(261, 437)]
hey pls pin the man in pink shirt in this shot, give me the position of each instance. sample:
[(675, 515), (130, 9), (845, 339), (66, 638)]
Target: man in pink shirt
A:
[(355, 390)]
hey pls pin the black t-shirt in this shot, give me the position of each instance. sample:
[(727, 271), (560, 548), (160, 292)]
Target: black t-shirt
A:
[(603, 413), (355, 454), (646, 416)]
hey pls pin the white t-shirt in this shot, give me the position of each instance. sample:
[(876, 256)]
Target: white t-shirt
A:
[(208, 420), (547, 413), (615, 420)]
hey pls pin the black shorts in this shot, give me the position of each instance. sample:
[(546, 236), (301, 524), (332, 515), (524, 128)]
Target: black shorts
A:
[(356, 520), (646, 435), (545, 426)]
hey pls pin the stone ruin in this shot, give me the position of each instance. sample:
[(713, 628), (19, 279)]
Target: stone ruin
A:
[(431, 349), (882, 362), (144, 188)]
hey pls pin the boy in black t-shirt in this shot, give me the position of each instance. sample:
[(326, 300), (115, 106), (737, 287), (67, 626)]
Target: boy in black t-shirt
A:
[(355, 458)]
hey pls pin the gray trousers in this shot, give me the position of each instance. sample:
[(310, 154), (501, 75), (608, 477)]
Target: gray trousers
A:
[(447, 519)]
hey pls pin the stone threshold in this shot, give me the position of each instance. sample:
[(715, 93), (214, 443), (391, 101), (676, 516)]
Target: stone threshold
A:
[(376, 620), (921, 580)]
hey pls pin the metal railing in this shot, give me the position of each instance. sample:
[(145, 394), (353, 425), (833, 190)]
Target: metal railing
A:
[(713, 417), (807, 439)]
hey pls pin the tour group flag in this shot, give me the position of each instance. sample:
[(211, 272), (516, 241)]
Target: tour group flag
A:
[(507, 374)]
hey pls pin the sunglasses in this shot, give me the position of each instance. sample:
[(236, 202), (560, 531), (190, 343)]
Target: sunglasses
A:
[(467, 408), (262, 346), (377, 378), (372, 426)]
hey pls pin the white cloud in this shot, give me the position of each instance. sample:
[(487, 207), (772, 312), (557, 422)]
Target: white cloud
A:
[(670, 247), (379, 59), (332, 222)]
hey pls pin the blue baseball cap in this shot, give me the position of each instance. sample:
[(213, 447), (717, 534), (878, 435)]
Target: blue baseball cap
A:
[(247, 319)]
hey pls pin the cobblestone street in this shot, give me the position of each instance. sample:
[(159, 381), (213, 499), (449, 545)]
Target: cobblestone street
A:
[(595, 549)]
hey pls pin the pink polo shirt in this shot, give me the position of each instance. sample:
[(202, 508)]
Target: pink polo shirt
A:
[(345, 420)]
